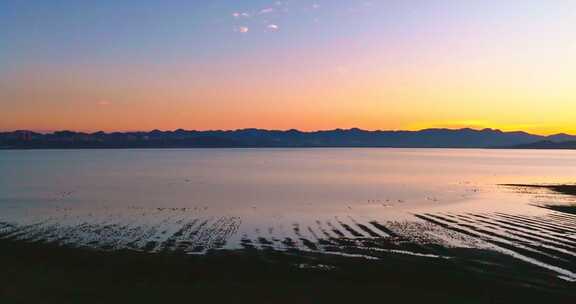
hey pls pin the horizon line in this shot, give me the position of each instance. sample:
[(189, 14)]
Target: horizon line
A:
[(284, 130)]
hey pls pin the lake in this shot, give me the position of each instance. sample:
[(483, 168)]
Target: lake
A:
[(324, 200)]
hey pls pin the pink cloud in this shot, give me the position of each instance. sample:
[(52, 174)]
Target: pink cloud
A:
[(267, 10), (242, 29), (272, 27)]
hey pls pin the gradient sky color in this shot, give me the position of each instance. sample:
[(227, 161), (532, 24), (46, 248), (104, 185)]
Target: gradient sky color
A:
[(389, 64)]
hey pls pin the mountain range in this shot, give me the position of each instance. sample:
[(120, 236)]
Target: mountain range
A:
[(427, 138)]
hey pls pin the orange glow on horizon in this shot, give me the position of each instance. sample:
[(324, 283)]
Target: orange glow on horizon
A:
[(439, 64)]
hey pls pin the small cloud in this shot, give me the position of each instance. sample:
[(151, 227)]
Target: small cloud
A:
[(242, 29), (267, 10), (240, 15), (272, 27), (315, 6), (103, 103)]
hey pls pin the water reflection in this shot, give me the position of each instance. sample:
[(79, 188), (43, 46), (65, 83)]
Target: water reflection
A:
[(362, 202)]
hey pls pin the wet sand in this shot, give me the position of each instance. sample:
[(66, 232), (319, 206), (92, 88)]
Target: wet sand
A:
[(345, 263), (545, 239), (567, 189)]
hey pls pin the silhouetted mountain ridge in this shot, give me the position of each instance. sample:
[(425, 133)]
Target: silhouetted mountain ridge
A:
[(548, 144), (180, 138)]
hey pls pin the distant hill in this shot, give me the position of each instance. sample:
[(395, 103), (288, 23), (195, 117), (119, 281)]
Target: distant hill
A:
[(428, 138), (548, 144)]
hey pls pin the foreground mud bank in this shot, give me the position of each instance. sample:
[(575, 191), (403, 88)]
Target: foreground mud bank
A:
[(44, 273)]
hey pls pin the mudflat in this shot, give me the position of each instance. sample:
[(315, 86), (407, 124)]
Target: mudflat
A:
[(43, 273)]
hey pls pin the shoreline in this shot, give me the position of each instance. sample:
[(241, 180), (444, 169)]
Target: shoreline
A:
[(48, 272), (569, 189)]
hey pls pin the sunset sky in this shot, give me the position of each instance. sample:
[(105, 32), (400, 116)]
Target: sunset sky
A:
[(324, 64)]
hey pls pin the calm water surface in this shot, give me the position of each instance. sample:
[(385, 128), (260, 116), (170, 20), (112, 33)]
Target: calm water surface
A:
[(212, 198), (272, 181)]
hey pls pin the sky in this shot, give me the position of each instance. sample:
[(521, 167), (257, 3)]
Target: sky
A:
[(324, 64)]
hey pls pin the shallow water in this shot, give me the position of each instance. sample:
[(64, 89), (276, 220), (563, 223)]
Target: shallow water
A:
[(193, 200)]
